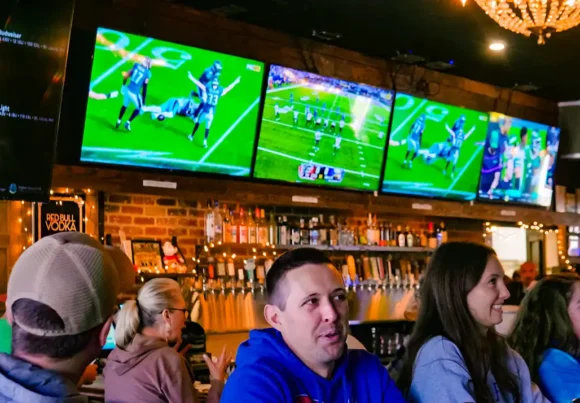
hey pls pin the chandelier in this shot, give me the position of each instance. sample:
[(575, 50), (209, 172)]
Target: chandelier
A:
[(533, 17)]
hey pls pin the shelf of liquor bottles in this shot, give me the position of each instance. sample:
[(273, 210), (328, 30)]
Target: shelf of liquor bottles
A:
[(259, 249)]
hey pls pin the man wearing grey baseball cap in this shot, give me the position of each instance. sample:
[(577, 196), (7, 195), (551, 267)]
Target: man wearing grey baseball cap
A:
[(61, 300)]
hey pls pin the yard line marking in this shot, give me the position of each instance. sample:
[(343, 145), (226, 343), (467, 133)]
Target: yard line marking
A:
[(479, 148), (161, 159), (422, 191), (314, 162), (232, 127), (291, 87), (404, 122), (120, 63), (324, 134)]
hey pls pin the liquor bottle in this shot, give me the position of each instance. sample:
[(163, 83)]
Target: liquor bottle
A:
[(221, 268), (231, 268), (260, 272), (242, 228), (394, 237), (294, 236), (250, 268), (443, 233), (332, 232), (410, 237), (313, 231), (282, 233), (401, 237), (268, 264), (227, 229), (233, 228), (323, 230), (432, 241), (262, 228), (424, 239), (209, 223), (367, 274), (370, 231), (376, 232), (272, 231), (252, 239), (362, 234), (210, 268), (218, 222), (304, 234)]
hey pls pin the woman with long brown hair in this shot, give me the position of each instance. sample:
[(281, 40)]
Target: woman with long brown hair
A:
[(454, 354), (547, 335)]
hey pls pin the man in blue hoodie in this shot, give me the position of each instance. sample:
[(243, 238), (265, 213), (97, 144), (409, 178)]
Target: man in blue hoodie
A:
[(304, 359)]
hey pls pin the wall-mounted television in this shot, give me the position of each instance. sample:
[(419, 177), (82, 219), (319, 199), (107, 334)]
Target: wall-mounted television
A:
[(34, 41), (322, 131), (163, 105), (519, 161), (435, 149)]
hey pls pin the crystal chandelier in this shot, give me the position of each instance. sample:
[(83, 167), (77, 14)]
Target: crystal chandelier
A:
[(537, 17)]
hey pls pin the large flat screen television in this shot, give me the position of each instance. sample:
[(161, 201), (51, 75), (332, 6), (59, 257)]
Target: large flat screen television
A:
[(34, 40), (322, 131), (435, 149), (163, 105), (519, 161)]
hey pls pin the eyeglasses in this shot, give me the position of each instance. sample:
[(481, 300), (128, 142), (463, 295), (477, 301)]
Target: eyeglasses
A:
[(184, 310)]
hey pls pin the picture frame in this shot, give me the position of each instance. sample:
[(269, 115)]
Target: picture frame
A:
[(147, 255)]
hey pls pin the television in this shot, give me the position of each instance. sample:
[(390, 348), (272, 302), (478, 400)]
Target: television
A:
[(519, 161), (435, 149), (163, 105), (322, 131), (34, 41)]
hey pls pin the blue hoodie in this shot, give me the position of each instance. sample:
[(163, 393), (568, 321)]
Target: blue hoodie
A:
[(440, 371), (268, 371), (559, 375)]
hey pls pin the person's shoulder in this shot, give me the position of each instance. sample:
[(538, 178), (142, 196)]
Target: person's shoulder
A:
[(167, 358), (438, 348), (362, 358), (554, 357)]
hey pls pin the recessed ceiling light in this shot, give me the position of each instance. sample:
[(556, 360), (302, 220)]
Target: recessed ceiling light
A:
[(497, 46)]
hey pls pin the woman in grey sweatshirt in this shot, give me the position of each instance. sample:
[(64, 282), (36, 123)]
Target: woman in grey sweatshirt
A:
[(454, 354)]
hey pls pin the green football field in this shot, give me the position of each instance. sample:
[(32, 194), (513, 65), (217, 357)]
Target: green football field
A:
[(283, 147), (429, 179), (164, 144)]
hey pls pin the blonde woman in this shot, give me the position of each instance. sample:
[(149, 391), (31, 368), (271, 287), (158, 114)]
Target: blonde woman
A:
[(144, 367)]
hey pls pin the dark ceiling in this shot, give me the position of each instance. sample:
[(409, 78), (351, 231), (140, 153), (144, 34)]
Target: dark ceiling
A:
[(438, 30)]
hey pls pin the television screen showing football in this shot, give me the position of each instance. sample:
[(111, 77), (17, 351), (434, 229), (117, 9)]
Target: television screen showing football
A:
[(163, 105), (519, 161), (322, 131), (435, 150)]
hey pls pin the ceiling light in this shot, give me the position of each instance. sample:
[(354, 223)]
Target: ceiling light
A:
[(497, 46)]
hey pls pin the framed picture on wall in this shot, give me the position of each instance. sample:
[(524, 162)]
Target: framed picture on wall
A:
[(147, 255)]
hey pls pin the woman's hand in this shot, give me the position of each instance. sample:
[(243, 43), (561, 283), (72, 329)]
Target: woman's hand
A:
[(217, 370)]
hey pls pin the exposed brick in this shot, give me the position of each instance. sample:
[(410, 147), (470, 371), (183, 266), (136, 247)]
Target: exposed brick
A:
[(133, 231), (187, 241), (158, 231), (166, 221), (143, 200), (188, 203), (188, 222), (120, 219), (177, 211), (112, 229), (116, 240), (109, 208), (120, 199), (197, 213), (177, 231), (166, 202), (155, 211), (144, 221), (197, 232), (132, 210)]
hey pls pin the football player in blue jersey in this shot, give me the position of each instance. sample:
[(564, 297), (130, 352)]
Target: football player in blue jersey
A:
[(456, 138), (171, 108), (292, 98), (414, 140), (213, 94), (211, 73), (138, 77)]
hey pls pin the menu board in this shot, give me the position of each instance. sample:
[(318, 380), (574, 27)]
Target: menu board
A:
[(34, 40)]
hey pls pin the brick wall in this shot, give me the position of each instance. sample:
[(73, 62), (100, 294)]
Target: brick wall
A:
[(155, 217)]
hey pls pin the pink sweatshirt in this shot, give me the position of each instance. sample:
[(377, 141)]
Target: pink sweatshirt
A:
[(150, 371)]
